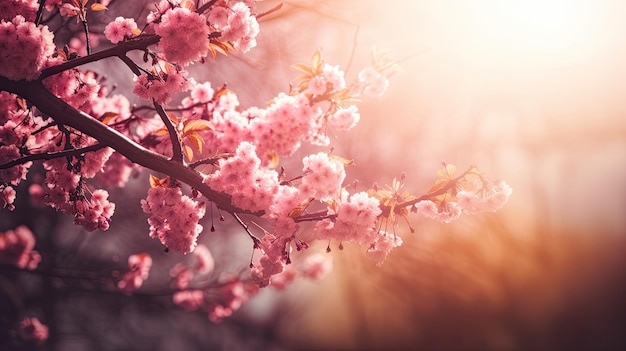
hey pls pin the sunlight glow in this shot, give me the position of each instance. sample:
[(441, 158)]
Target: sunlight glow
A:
[(551, 25)]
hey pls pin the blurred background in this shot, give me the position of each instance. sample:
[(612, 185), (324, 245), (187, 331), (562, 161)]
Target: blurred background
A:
[(531, 92)]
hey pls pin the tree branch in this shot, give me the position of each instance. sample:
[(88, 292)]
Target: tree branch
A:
[(51, 155), (120, 50), (60, 111), (177, 151)]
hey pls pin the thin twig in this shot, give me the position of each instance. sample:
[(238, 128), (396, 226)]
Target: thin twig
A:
[(256, 242), (52, 155), (177, 151), (120, 50)]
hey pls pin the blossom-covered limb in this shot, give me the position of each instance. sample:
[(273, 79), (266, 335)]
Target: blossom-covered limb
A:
[(52, 155), (45, 101), (120, 50)]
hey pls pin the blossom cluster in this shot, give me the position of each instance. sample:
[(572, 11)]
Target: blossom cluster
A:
[(67, 192), (120, 29), (314, 267), (24, 48), (139, 269), (160, 85), (219, 301), (173, 217), (473, 193), (31, 329), (25, 8), (16, 248), (184, 36), (236, 25)]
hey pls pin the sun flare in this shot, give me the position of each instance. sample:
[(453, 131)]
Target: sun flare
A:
[(536, 24)]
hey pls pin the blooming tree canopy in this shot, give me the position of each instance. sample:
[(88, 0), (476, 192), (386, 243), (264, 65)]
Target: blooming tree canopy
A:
[(204, 151)]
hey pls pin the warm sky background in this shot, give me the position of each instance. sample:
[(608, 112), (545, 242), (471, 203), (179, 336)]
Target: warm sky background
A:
[(531, 92)]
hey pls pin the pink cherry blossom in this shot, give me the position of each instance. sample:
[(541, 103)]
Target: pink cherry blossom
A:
[(161, 86), (139, 269), (382, 246), (355, 221), (11, 8), (174, 218), (24, 48), (120, 29), (322, 176), (184, 36), (16, 248), (491, 199), (33, 329), (345, 118), (316, 266)]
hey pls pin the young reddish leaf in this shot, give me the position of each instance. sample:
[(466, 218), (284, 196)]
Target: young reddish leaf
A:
[(97, 7), (172, 116), (154, 181), (188, 152), (304, 69), (447, 172), (317, 61), (107, 117), (188, 4), (21, 103), (345, 161), (196, 141), (196, 125), (161, 131), (62, 53), (273, 159), (298, 210), (439, 184)]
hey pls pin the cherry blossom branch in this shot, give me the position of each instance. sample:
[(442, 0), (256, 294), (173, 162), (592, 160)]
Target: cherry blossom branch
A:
[(449, 185), (48, 103), (255, 240), (52, 155), (177, 151), (39, 14), (120, 50)]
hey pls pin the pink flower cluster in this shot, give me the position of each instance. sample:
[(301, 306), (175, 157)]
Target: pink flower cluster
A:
[(16, 248), (322, 177), (444, 212), (120, 29), (67, 193), (481, 196), (31, 329), (374, 83), (174, 218), (382, 246), (314, 267), (344, 118), (355, 221), (491, 198), (24, 48), (139, 269), (73, 86), (219, 302), (236, 25), (184, 273), (11, 8), (184, 36), (10, 152), (282, 127), (277, 130), (251, 187), (161, 85)]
